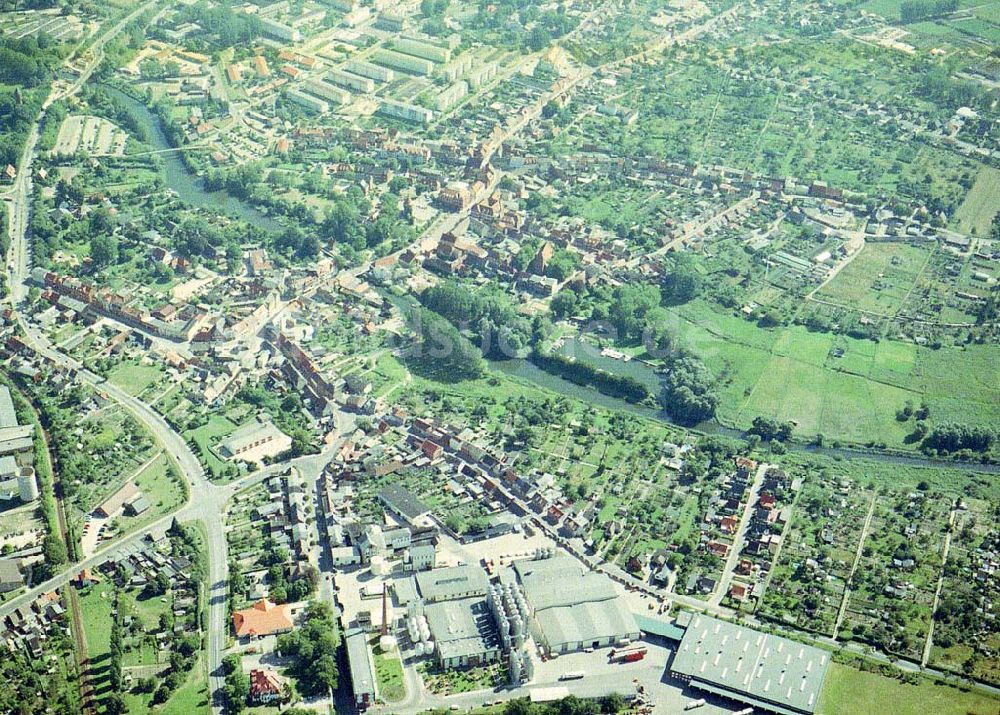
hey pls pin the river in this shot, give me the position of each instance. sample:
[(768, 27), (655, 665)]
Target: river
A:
[(528, 371), (190, 188)]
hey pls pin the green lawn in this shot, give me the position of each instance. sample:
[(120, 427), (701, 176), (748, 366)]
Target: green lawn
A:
[(164, 494), (207, 436), (389, 673), (95, 612), (133, 377), (851, 692)]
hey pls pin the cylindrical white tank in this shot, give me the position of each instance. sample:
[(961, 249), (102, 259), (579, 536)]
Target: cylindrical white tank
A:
[(27, 485), (529, 667), (515, 668)]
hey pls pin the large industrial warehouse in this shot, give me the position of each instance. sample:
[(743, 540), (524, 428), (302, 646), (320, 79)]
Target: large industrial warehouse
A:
[(464, 631), (591, 614), (765, 671)]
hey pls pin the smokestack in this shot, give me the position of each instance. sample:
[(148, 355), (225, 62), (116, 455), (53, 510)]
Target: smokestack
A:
[(385, 609)]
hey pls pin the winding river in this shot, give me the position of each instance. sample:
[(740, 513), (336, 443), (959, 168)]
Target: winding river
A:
[(190, 188)]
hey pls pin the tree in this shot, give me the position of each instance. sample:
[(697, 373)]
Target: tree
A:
[(689, 391), (682, 281), (441, 349), (114, 704), (629, 308), (520, 706), (237, 683), (612, 703), (103, 250), (564, 304), (771, 429)]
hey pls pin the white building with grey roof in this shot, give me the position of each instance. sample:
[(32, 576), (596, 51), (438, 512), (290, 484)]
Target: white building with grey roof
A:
[(464, 632), (764, 671), (452, 583), (591, 614)]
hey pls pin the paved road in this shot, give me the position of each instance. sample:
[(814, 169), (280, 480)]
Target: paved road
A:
[(740, 537)]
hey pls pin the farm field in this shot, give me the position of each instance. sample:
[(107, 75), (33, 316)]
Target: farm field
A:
[(852, 692)]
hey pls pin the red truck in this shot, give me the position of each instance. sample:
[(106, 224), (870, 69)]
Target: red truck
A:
[(628, 655)]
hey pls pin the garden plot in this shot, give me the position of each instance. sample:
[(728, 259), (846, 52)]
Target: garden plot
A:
[(879, 278), (892, 590), (807, 583), (965, 637)]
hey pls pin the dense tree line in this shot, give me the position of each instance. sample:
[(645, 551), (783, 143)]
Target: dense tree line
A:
[(513, 18), (27, 61), (688, 393), (952, 437), (237, 683), (940, 87), (682, 281), (769, 429), (622, 386), (229, 27), (916, 10), (440, 349)]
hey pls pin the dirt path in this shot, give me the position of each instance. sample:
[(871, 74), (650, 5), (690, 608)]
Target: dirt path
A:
[(854, 567), (937, 592)]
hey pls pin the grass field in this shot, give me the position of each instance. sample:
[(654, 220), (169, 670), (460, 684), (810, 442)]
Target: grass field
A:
[(878, 279), (191, 698), (389, 673), (133, 377), (164, 494), (851, 692), (95, 611), (207, 436), (981, 203), (793, 374)]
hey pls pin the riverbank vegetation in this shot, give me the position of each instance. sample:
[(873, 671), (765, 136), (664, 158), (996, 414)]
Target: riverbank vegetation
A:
[(580, 373)]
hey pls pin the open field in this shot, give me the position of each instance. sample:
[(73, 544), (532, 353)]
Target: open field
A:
[(841, 387), (163, 491), (981, 204), (134, 378), (851, 692)]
